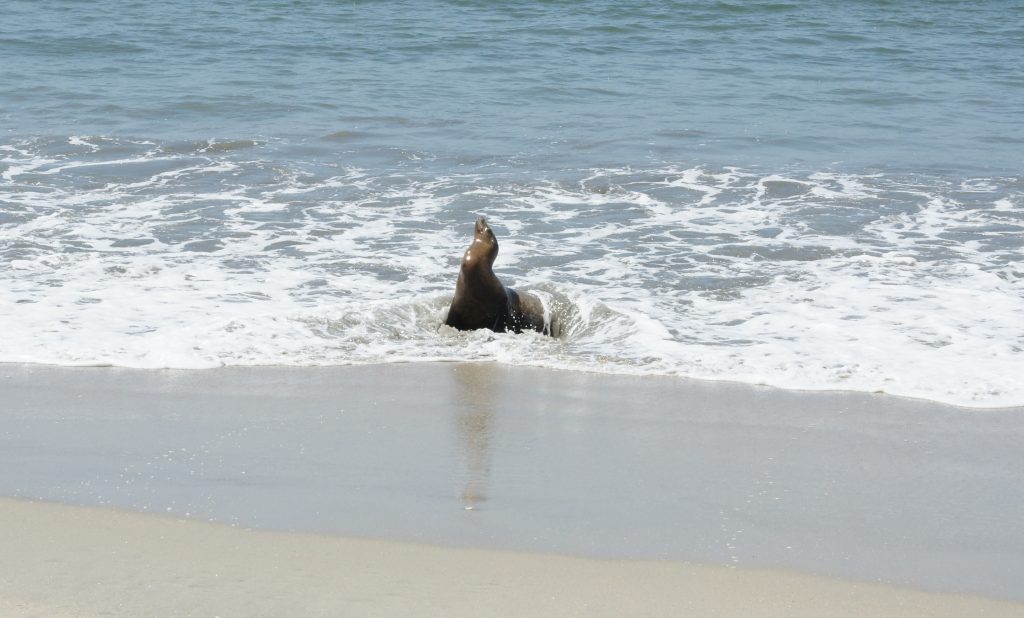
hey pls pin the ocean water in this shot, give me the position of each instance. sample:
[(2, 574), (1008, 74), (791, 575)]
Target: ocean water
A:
[(821, 195)]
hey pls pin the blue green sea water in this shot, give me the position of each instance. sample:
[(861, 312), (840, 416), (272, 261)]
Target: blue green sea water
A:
[(822, 195)]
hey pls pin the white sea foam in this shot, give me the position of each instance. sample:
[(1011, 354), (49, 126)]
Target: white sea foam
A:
[(194, 256)]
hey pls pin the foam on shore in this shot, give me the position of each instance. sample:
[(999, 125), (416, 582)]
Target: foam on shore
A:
[(156, 254)]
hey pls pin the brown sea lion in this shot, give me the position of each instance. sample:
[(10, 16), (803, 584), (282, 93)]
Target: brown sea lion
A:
[(481, 301)]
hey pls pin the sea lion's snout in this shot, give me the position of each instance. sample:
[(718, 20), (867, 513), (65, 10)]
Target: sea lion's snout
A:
[(484, 234)]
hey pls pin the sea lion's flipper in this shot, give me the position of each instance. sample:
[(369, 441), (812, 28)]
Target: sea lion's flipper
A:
[(526, 312)]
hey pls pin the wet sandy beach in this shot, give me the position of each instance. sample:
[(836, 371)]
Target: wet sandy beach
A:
[(847, 488)]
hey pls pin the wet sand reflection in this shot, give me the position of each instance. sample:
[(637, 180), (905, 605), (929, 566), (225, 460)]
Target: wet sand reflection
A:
[(476, 389)]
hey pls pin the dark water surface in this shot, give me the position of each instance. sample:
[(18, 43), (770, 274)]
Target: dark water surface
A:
[(908, 84)]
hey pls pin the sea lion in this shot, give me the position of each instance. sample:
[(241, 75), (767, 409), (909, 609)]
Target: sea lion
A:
[(481, 301)]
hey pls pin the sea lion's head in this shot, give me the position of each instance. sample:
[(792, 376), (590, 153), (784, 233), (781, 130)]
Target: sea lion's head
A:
[(484, 248)]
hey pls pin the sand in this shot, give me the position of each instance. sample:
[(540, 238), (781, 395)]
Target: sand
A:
[(435, 489), (78, 561)]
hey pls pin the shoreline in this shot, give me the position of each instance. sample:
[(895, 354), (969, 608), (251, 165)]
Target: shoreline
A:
[(479, 455), (539, 367), (85, 561)]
